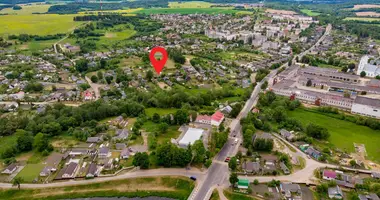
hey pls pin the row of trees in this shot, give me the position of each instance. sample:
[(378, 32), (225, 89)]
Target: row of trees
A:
[(27, 37)]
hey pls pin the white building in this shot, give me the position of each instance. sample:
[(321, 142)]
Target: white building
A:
[(191, 135), (366, 106), (371, 70)]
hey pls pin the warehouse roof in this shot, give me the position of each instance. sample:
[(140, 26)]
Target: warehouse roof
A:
[(191, 135)]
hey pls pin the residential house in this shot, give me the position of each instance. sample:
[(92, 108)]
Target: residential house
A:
[(125, 153), (104, 152), (217, 118), (46, 171), (121, 134), (329, 175), (371, 196), (78, 152), (335, 193), (92, 171), (94, 139), (69, 170), (120, 146), (284, 168), (10, 169), (270, 166), (203, 119), (286, 134), (313, 152), (226, 109), (88, 96), (375, 175), (291, 191), (251, 167)]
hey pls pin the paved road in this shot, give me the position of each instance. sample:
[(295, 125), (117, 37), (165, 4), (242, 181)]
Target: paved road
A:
[(219, 173), (96, 87)]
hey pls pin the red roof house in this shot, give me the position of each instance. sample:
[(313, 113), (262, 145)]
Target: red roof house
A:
[(217, 118), (329, 175), (204, 119)]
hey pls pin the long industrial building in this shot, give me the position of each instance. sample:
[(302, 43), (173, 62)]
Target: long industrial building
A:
[(328, 87)]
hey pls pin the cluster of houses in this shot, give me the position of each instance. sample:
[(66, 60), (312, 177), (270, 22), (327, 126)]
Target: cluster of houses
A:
[(344, 180)]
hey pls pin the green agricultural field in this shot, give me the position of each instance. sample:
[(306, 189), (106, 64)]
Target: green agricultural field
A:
[(37, 24), (30, 172), (310, 12), (364, 19), (190, 4), (26, 10), (227, 10), (343, 134)]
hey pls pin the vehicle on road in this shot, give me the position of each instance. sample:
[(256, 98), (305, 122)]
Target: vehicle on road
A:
[(193, 178), (227, 159)]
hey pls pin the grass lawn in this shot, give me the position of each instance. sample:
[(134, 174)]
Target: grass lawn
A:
[(310, 12), (364, 19), (343, 134), (37, 24), (171, 187), (26, 10), (113, 37), (152, 127), (236, 196), (224, 10), (161, 111), (215, 195), (190, 4), (30, 172)]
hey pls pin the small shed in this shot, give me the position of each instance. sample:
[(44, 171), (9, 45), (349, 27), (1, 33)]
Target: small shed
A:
[(243, 183)]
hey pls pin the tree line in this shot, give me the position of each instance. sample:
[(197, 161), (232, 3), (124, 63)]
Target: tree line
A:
[(27, 37)]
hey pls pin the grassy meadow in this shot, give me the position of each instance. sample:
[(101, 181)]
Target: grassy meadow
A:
[(364, 19), (310, 12), (37, 24), (171, 187), (190, 4), (343, 134), (26, 10)]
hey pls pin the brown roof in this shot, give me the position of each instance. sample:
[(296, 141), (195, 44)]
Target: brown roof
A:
[(71, 168)]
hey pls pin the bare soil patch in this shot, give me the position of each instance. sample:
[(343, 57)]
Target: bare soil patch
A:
[(367, 14), (282, 12), (356, 7)]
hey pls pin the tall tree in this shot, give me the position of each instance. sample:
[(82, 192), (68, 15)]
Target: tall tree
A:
[(17, 182), (233, 179)]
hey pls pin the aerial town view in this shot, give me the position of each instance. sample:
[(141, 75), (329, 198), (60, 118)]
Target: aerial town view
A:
[(190, 100)]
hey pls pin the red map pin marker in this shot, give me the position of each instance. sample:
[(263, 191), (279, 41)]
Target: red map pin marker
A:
[(158, 64)]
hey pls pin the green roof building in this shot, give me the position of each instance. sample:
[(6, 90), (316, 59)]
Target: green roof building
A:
[(243, 183)]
